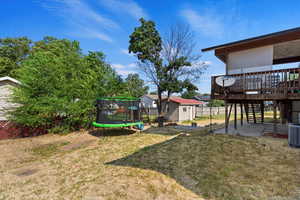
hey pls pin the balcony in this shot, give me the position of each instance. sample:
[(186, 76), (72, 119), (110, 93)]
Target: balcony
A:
[(282, 84)]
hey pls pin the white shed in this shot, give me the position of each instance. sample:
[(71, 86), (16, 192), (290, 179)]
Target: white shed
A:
[(180, 109), (6, 89)]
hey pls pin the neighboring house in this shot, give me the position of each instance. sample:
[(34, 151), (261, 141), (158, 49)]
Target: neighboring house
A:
[(204, 98), (149, 100), (180, 109), (7, 84)]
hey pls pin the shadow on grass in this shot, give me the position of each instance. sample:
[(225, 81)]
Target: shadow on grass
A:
[(166, 130), (109, 132), (219, 166), (172, 158)]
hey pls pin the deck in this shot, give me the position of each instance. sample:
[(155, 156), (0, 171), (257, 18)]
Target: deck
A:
[(283, 84)]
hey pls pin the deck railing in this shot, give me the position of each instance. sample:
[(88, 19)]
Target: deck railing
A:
[(283, 83)]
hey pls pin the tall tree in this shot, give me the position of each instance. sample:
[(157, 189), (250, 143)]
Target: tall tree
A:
[(170, 63), (135, 86), (12, 52), (183, 65), (146, 44)]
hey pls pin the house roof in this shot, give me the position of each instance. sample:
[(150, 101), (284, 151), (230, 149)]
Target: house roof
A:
[(270, 35), (7, 78), (183, 101), (264, 40), (154, 96), (202, 98)]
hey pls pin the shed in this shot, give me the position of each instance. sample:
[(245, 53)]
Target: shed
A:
[(7, 84), (180, 109)]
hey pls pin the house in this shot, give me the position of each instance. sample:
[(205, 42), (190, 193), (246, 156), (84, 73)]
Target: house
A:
[(205, 98), (7, 84), (150, 100), (180, 109), (255, 65)]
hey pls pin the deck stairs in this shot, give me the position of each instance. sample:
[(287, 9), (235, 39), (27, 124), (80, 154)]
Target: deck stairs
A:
[(253, 112)]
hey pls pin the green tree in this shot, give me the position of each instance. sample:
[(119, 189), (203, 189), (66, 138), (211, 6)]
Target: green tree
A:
[(146, 44), (12, 52), (135, 86), (60, 85), (216, 103), (169, 63)]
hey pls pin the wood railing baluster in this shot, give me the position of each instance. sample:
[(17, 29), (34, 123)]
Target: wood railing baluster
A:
[(273, 84)]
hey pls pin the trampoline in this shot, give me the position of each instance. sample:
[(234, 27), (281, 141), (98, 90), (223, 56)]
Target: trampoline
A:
[(115, 112)]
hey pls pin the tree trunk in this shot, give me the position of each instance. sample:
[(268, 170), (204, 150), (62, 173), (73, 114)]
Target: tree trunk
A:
[(159, 108)]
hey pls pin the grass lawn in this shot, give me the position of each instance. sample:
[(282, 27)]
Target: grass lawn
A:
[(156, 164), (220, 119)]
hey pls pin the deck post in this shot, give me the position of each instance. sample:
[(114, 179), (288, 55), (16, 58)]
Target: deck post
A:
[(226, 116), (274, 117), (235, 117), (242, 114), (262, 109), (253, 112), (246, 105)]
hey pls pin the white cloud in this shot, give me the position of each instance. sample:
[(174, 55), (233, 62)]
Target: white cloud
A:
[(124, 70), (208, 23), (83, 20), (125, 51), (129, 7)]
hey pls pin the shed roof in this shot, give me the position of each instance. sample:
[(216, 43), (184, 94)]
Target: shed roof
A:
[(183, 101)]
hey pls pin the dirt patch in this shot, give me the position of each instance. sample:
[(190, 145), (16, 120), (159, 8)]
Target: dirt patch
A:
[(77, 145), (25, 172), (48, 149)]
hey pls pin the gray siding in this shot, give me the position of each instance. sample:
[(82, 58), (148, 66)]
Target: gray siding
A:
[(6, 89), (147, 102), (173, 113)]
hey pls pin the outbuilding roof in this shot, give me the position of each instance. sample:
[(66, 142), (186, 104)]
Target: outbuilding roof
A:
[(183, 101)]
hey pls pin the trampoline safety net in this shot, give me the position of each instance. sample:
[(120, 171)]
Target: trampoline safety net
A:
[(118, 111)]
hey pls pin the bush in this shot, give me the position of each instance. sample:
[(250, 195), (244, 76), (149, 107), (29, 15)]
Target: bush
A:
[(60, 85)]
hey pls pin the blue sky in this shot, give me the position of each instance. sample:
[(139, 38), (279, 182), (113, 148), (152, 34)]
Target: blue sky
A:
[(105, 25)]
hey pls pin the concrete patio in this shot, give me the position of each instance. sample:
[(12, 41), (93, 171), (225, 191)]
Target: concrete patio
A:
[(253, 130)]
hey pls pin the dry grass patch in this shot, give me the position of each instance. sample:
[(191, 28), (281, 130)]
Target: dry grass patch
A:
[(159, 165)]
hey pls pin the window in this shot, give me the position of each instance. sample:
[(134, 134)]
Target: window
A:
[(184, 109)]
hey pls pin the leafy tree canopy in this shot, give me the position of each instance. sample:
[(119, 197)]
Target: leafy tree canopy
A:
[(216, 103), (12, 52), (135, 87), (60, 85)]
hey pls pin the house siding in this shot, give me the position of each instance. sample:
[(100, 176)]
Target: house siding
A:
[(6, 90), (148, 102)]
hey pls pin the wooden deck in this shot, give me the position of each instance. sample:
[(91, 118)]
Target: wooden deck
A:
[(283, 84)]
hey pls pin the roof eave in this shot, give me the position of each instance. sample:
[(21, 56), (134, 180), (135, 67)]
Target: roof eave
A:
[(239, 42)]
